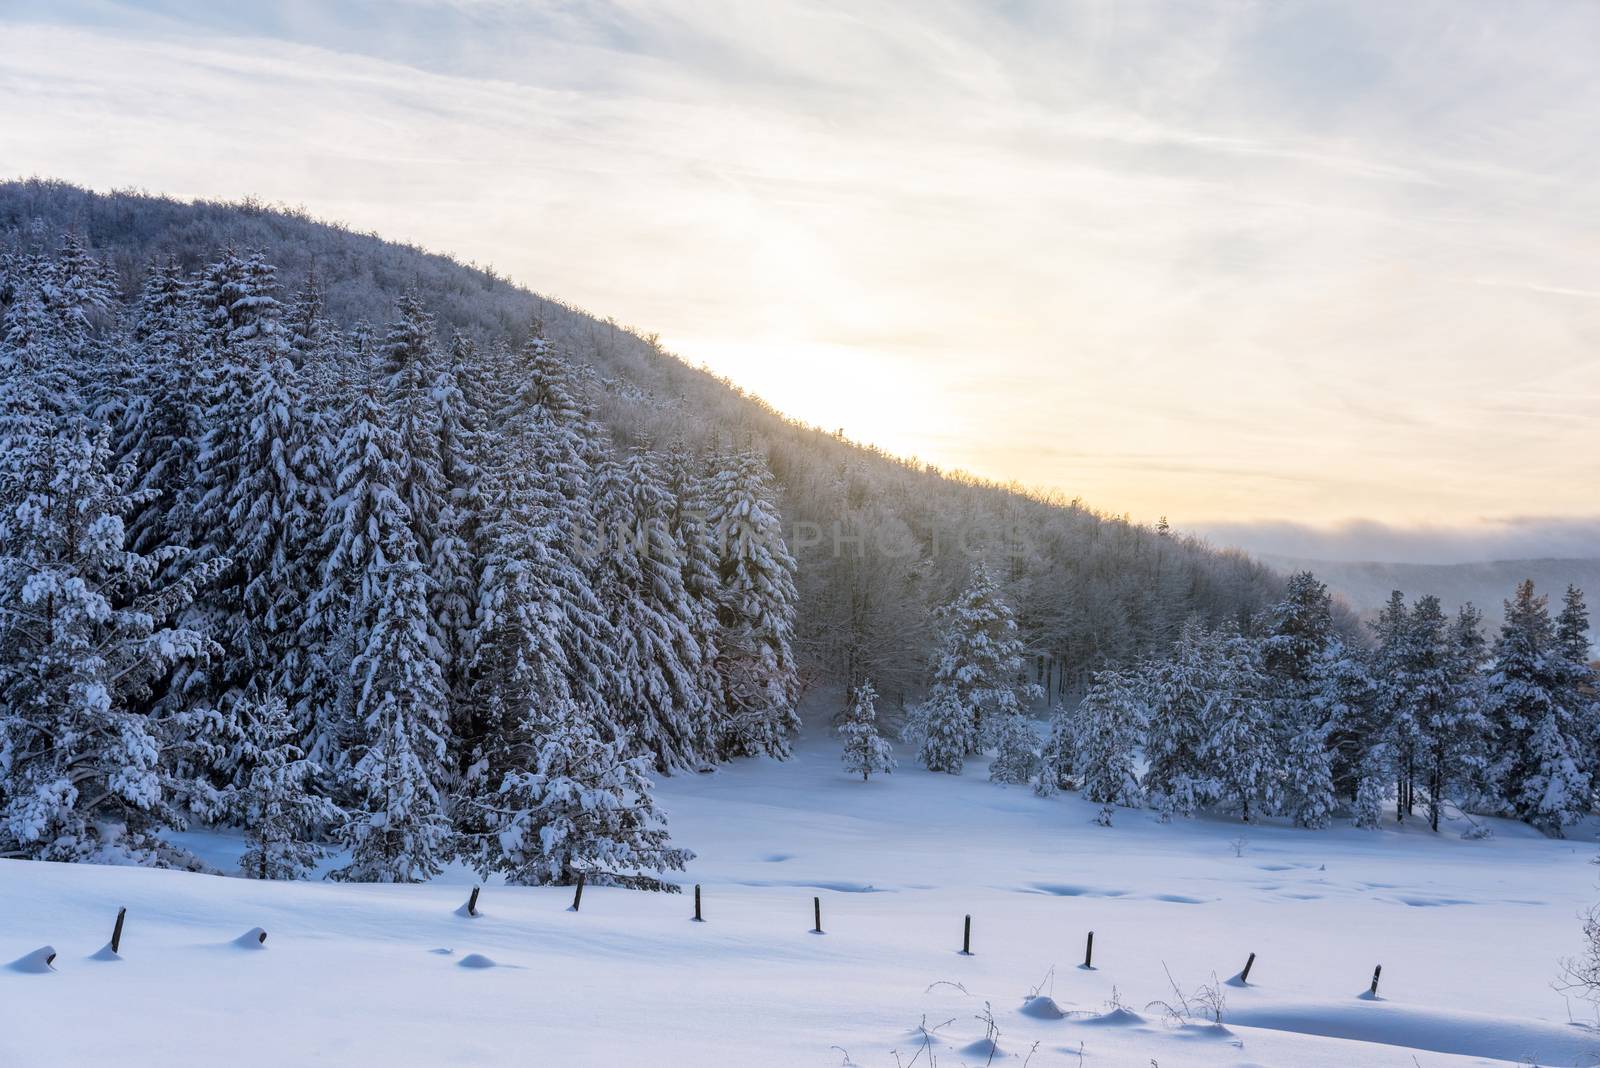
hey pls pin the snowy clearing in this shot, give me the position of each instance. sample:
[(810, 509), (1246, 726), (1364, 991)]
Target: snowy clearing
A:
[(1468, 933)]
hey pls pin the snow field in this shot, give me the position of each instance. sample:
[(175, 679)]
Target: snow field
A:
[(1469, 934)]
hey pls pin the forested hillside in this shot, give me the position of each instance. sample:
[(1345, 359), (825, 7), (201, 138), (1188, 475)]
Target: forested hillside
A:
[(330, 537), (879, 540)]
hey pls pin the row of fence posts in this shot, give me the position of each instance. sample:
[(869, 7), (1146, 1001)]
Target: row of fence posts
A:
[(816, 928)]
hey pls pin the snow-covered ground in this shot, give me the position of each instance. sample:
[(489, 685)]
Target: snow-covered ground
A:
[(1468, 932)]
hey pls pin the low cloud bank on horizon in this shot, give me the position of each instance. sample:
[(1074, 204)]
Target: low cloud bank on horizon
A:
[(1524, 538), (1221, 261)]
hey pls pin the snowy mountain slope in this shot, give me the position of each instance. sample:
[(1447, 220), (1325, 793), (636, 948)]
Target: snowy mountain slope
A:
[(1468, 932)]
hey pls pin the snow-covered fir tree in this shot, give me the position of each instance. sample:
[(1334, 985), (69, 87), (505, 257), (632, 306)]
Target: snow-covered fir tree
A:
[(1536, 748), (1580, 690), (979, 660), (1454, 730), (1056, 756), (276, 804), (398, 831), (409, 365), (1016, 750), (1298, 640), (158, 431), (460, 425), (755, 611), (1108, 725), (576, 804), (696, 557), (655, 690), (1241, 749), (941, 728), (85, 632), (1177, 689), (865, 750)]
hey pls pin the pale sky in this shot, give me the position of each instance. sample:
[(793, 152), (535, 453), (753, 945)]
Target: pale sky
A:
[(1227, 261)]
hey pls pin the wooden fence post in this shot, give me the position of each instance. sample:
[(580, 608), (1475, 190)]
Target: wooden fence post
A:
[(1088, 952), (1244, 976), (966, 937), (1375, 973), (472, 901), (697, 917), (816, 907), (577, 895), (116, 932)]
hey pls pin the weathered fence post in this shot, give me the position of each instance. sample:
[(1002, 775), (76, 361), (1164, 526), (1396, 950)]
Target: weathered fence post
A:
[(697, 917), (966, 937), (1088, 952), (472, 901), (1375, 973), (816, 908), (116, 932), (1244, 976), (577, 894)]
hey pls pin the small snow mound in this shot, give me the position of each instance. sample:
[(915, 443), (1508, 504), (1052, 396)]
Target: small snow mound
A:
[(255, 938), (1042, 1008), (1116, 1018), (1368, 995), (468, 913), (1237, 979), (36, 963), (475, 960), (1204, 1030), (105, 952), (983, 1047)]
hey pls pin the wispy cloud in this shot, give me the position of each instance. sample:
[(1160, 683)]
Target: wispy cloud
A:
[(1040, 240)]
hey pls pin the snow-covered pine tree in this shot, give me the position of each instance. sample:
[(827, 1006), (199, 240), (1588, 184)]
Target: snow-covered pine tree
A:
[(575, 804), (363, 523), (1107, 727), (941, 727), (236, 296), (159, 430), (1016, 750), (409, 367), (1349, 698), (276, 805), (1536, 750), (540, 633), (245, 500), (1580, 691), (398, 831), (38, 392), (756, 610), (1176, 778), (1241, 749), (1299, 634), (865, 750), (980, 656), (655, 697), (1448, 695), (273, 522), (80, 289), (1396, 730), (1055, 759), (454, 568), (697, 565), (84, 634)]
